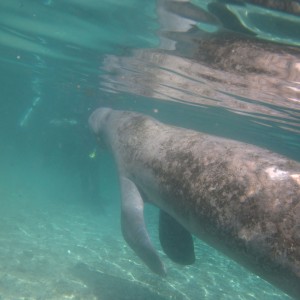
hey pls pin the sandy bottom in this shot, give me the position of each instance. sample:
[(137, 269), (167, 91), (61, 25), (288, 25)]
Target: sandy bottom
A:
[(72, 251)]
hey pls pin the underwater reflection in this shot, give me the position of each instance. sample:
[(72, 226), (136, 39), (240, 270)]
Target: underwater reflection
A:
[(221, 68)]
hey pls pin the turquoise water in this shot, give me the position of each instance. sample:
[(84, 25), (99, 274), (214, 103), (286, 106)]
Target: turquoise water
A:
[(219, 67)]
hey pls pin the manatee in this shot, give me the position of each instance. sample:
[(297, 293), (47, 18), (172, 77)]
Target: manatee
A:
[(241, 199)]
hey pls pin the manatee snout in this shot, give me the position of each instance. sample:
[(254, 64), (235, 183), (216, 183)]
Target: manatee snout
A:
[(98, 119)]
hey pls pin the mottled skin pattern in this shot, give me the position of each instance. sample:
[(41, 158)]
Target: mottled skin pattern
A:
[(241, 199)]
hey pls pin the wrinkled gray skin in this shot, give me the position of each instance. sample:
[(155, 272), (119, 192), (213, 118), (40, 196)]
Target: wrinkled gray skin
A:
[(241, 199)]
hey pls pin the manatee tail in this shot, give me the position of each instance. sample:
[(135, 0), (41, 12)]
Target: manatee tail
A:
[(134, 229)]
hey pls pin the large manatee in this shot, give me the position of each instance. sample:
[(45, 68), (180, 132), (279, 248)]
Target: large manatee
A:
[(241, 199)]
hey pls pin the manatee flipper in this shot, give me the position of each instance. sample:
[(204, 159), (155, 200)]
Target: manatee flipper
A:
[(175, 240), (134, 229)]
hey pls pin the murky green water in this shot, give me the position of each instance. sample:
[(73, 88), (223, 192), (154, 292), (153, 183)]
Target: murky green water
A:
[(223, 68)]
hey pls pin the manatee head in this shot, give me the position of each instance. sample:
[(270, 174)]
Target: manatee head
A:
[(98, 118)]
